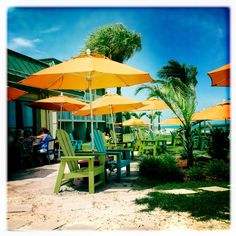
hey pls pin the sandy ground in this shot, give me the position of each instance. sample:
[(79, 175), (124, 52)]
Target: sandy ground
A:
[(32, 205)]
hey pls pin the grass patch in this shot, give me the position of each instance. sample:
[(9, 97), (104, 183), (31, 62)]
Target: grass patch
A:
[(192, 185), (203, 205)]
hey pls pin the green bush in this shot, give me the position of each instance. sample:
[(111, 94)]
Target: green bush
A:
[(218, 144), (163, 168), (218, 169), (196, 173)]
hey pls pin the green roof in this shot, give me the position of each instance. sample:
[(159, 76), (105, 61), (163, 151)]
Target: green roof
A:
[(21, 66)]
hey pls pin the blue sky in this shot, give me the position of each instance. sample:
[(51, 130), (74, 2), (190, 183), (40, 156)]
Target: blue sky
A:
[(196, 36)]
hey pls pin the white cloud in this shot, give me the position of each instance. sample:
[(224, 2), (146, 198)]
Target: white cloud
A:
[(50, 30), (19, 42)]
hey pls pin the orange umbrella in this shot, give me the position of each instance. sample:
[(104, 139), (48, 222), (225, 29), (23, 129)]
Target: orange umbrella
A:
[(87, 72), (153, 104), (220, 111), (59, 103), (13, 93), (135, 122), (171, 121), (220, 76), (110, 104)]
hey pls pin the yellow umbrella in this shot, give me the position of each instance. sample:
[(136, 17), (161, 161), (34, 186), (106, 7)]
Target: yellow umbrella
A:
[(171, 121), (14, 93), (220, 111), (58, 103), (153, 104), (135, 122), (87, 72), (220, 76), (110, 104)]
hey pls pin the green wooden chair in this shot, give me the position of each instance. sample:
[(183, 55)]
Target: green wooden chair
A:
[(148, 144), (75, 162)]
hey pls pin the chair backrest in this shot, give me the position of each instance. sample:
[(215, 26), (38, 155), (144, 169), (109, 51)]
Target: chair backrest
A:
[(98, 141), (51, 149), (67, 148), (128, 137), (65, 142), (71, 137), (103, 136)]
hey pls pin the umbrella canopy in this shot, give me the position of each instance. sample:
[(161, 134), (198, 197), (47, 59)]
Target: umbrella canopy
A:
[(87, 72), (153, 104), (220, 76), (109, 104), (77, 73), (220, 111), (58, 103), (13, 93), (135, 122), (171, 121)]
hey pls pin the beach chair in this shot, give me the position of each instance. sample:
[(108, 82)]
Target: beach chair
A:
[(74, 163), (77, 144), (147, 144), (122, 156), (129, 142)]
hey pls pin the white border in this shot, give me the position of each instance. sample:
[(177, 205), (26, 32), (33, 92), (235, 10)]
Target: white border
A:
[(111, 3)]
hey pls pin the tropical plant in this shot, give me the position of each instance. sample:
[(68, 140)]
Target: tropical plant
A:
[(162, 168), (218, 144), (152, 116), (116, 42), (138, 115), (176, 87), (126, 115)]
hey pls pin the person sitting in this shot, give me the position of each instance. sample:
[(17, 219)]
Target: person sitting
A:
[(44, 137)]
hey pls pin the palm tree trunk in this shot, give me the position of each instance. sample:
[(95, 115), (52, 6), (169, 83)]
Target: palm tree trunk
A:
[(189, 146), (159, 120)]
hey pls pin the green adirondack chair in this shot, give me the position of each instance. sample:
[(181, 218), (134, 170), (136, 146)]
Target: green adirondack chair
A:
[(73, 162), (147, 144)]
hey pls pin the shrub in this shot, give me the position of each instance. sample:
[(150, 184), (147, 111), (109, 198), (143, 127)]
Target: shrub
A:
[(196, 173), (218, 169), (163, 168), (218, 144)]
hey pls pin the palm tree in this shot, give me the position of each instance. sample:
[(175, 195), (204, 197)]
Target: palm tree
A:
[(176, 87), (116, 42), (152, 116), (138, 115)]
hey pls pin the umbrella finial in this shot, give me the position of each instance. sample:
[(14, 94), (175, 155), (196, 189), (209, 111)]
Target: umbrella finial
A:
[(88, 51)]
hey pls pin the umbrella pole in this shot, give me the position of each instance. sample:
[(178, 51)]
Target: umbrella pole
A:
[(113, 126), (89, 78), (60, 115)]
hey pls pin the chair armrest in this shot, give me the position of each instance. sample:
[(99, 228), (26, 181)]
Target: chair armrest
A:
[(75, 158)]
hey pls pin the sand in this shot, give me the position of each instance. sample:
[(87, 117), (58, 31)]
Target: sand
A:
[(32, 205)]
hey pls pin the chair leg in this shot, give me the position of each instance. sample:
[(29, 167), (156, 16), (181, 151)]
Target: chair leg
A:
[(128, 170), (91, 176), (59, 177), (91, 182)]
